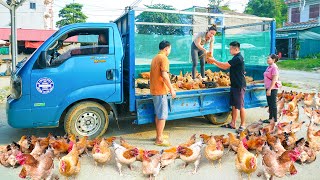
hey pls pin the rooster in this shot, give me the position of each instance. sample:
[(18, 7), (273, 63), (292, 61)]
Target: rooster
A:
[(36, 169), (191, 154), (125, 156), (245, 161), (150, 163), (69, 165)]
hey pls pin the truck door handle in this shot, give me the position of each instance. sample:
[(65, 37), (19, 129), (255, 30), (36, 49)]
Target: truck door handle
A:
[(109, 74)]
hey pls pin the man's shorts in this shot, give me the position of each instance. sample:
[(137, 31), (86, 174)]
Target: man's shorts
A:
[(161, 106), (237, 97)]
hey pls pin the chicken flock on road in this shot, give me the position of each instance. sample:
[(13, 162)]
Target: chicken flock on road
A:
[(276, 143)]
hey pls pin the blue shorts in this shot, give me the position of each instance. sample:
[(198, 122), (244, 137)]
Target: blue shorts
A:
[(160, 106)]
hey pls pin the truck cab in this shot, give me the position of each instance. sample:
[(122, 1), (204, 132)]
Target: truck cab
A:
[(71, 76)]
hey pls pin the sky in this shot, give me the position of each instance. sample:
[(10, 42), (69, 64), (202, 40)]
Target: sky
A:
[(108, 10)]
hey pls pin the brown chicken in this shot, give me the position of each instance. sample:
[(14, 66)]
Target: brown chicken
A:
[(269, 128), (246, 162), (280, 106), (308, 155), (36, 169), (43, 142), (308, 100), (278, 148), (145, 75), (224, 140), (255, 127), (59, 146), (314, 141), (69, 165), (191, 154), (293, 104), (37, 151), (307, 110), (8, 156), (82, 145), (25, 144), (124, 156), (150, 164), (214, 150), (275, 165), (168, 156), (92, 142), (101, 152), (255, 143), (288, 116), (234, 141)]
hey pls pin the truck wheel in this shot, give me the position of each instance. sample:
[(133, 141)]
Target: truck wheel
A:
[(219, 118), (86, 119)]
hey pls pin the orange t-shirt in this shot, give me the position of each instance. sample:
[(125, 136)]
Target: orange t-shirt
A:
[(159, 64)]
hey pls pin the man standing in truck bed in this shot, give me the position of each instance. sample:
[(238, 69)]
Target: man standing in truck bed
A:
[(159, 86)]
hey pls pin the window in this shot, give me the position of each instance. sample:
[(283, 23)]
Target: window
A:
[(314, 11), (32, 5), (295, 15), (79, 43)]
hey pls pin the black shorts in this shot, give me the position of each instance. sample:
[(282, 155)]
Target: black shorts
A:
[(237, 97)]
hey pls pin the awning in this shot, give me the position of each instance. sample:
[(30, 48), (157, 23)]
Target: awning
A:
[(32, 44)]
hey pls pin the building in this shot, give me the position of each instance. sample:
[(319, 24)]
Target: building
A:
[(300, 36), (32, 14)]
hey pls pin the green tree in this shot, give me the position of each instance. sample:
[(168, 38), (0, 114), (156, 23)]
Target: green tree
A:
[(157, 17), (214, 3), (268, 8), (70, 14)]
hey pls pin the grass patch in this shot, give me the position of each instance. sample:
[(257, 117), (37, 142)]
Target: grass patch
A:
[(287, 84), (304, 64)]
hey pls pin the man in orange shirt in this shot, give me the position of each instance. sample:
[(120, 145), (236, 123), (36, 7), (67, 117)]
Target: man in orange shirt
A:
[(159, 86)]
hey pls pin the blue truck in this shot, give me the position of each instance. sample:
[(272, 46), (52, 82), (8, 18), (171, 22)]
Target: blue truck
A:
[(85, 72)]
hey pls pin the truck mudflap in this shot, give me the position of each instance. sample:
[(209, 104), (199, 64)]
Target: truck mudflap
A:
[(198, 103)]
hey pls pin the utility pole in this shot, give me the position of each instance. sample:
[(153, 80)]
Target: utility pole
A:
[(13, 5)]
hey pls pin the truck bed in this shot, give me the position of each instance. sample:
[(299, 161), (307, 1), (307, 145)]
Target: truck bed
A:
[(190, 103)]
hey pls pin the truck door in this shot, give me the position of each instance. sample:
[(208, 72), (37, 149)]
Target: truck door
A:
[(81, 65)]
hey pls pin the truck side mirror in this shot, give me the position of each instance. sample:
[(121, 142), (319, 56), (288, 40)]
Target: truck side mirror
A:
[(42, 61)]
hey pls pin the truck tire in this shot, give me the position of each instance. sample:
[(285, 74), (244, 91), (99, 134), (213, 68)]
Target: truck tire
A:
[(219, 118), (86, 119)]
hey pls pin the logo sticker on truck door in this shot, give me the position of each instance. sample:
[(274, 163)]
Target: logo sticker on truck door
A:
[(44, 85)]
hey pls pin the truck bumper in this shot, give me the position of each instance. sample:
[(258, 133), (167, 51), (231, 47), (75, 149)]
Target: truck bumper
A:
[(16, 117)]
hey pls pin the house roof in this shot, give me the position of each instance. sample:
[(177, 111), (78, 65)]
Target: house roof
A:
[(291, 1), (300, 26), (27, 34)]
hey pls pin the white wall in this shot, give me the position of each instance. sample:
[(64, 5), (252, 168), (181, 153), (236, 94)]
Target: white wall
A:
[(26, 18), (304, 14)]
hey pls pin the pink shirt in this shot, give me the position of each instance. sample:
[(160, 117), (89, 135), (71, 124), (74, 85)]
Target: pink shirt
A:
[(270, 71)]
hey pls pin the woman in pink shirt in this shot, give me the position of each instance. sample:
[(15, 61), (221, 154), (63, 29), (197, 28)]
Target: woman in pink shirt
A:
[(271, 77)]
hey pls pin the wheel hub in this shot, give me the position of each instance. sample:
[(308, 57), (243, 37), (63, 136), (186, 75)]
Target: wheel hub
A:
[(88, 123)]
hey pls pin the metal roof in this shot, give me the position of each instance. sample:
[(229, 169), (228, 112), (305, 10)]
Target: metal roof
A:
[(298, 27), (27, 34)]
